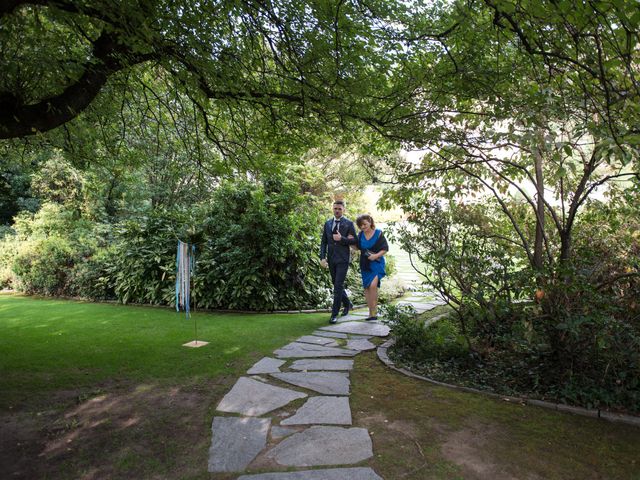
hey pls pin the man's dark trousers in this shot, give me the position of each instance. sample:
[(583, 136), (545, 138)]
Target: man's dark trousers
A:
[(338, 275)]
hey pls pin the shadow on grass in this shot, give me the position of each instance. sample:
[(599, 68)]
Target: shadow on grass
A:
[(132, 431)]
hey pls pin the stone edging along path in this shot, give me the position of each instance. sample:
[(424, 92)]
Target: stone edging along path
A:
[(610, 416)]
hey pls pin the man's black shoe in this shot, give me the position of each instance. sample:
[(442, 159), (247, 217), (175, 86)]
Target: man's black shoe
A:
[(333, 320), (345, 310)]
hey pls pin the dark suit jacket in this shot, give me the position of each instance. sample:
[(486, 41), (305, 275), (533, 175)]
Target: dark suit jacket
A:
[(337, 252)]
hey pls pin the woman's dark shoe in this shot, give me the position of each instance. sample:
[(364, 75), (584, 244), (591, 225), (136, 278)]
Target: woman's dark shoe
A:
[(368, 319)]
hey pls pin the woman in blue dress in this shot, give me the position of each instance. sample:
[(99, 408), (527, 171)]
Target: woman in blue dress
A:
[(373, 246)]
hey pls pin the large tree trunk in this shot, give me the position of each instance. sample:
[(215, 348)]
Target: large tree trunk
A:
[(565, 246)]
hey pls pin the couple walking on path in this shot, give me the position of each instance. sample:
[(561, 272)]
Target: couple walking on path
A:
[(338, 235)]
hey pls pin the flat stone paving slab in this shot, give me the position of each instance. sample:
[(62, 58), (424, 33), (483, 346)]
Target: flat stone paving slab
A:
[(421, 305), (357, 473), (320, 333), (322, 410), (317, 340), (307, 350), (322, 365), (235, 442), (266, 365), (281, 432), (351, 317), (360, 344), (253, 398), (329, 383), (363, 328), (323, 446)]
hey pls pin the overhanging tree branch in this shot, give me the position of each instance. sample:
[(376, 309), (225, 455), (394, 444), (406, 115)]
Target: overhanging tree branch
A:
[(109, 57)]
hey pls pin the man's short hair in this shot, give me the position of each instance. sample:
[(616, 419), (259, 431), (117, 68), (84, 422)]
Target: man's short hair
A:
[(339, 202)]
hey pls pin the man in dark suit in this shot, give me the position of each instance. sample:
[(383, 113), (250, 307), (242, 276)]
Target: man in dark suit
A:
[(338, 233)]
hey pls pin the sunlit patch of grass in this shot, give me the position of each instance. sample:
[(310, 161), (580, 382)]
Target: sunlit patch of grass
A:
[(48, 345)]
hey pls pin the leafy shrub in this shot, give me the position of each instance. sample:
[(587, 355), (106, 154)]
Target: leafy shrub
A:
[(42, 266), (408, 330), (256, 249), (593, 357), (143, 260), (51, 220), (578, 342), (93, 277), (261, 248), (391, 289), (8, 250), (419, 342), (390, 265)]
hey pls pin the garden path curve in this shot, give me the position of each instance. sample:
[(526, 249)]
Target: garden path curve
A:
[(292, 411)]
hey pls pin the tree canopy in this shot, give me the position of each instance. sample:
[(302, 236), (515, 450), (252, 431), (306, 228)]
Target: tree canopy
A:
[(273, 63)]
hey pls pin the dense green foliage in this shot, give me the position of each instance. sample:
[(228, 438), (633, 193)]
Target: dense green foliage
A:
[(577, 340), (417, 342), (523, 206), (256, 249)]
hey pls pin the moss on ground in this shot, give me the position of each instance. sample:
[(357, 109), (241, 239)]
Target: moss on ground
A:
[(422, 431)]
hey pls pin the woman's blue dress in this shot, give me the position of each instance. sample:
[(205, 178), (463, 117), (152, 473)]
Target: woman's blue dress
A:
[(377, 266)]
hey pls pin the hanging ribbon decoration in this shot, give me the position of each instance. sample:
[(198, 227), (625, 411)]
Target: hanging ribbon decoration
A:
[(185, 264)]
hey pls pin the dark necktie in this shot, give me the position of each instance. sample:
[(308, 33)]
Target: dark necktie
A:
[(336, 224)]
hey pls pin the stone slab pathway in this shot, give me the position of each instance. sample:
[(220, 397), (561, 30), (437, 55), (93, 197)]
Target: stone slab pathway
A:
[(253, 398), (327, 342), (266, 365), (320, 333), (329, 383), (322, 365), (328, 474), (360, 344), (307, 350), (319, 433), (362, 328), (281, 432), (323, 446), (322, 410), (236, 441)]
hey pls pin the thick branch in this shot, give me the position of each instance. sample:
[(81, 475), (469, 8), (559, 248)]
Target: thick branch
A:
[(8, 6), (19, 120)]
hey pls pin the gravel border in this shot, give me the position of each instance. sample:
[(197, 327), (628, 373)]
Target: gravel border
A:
[(586, 412)]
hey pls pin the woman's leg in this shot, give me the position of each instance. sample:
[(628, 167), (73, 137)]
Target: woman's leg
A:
[(373, 297), (366, 297)]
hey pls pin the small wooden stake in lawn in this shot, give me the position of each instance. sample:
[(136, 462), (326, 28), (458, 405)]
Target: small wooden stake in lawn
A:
[(185, 263)]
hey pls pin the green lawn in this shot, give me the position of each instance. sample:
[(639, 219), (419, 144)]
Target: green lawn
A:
[(108, 391), (94, 391), (46, 344)]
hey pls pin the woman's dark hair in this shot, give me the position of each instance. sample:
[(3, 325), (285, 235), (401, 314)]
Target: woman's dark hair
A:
[(362, 218)]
